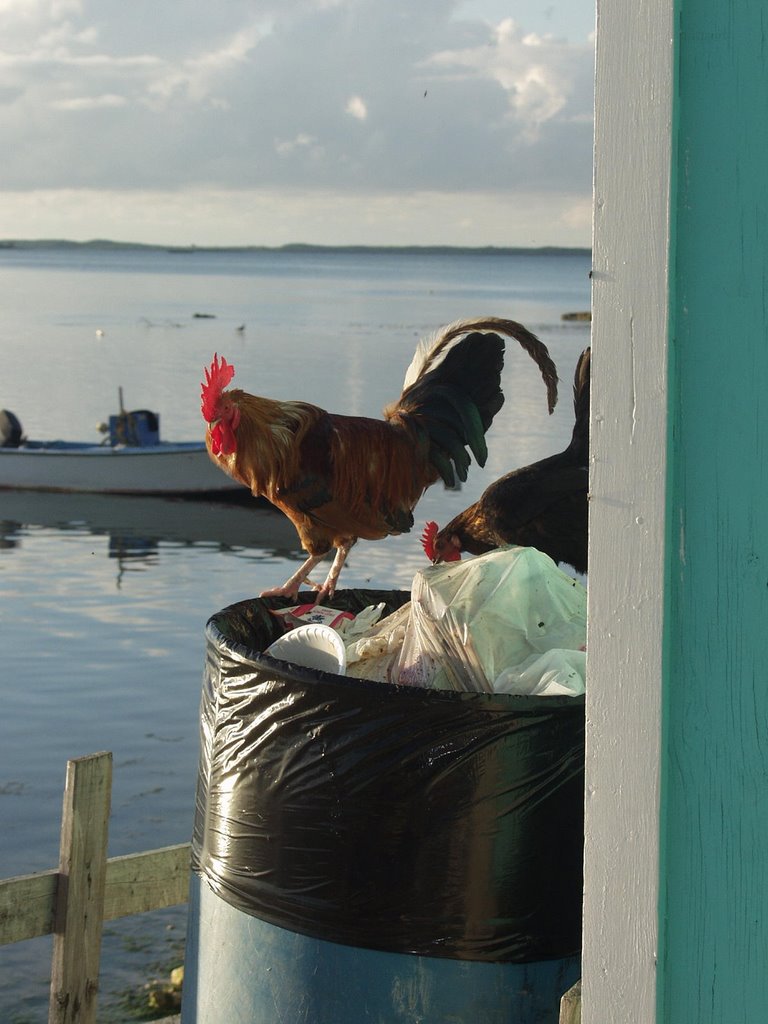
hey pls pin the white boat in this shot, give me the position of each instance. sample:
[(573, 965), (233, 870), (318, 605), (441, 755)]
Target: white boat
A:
[(165, 468), (131, 460)]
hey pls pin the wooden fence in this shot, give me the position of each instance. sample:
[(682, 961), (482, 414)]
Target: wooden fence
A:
[(88, 888)]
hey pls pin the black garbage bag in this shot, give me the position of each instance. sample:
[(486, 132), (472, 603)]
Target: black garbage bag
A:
[(388, 817)]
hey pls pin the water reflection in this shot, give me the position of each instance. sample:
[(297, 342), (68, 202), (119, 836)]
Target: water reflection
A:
[(135, 527), (141, 519)]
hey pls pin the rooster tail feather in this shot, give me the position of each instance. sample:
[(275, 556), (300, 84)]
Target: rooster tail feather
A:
[(448, 442), (581, 385), (580, 437), (453, 400), (444, 467), (429, 355), (453, 390), (471, 422)]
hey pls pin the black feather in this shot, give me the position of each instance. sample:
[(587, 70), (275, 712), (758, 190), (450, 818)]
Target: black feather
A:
[(448, 405), (455, 402), (443, 467)]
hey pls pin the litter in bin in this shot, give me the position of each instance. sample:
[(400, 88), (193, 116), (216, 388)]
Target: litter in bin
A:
[(509, 621), (471, 622), (557, 673), (312, 646), (304, 614)]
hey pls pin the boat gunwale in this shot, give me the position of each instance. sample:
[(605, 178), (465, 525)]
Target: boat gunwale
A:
[(85, 448)]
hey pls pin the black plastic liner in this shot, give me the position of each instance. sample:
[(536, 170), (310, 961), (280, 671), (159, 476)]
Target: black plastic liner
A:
[(388, 817)]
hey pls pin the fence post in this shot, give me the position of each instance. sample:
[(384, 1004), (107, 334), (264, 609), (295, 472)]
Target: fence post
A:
[(570, 1005), (80, 890)]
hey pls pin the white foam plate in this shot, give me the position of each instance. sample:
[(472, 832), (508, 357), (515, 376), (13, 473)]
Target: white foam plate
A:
[(312, 646)]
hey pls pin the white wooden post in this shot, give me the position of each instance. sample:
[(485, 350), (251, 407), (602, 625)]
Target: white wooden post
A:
[(634, 81)]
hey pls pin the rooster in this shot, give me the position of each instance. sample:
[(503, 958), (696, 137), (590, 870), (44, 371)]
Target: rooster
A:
[(543, 505), (339, 478)]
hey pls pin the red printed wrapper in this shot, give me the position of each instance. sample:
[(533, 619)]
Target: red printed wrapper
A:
[(303, 614)]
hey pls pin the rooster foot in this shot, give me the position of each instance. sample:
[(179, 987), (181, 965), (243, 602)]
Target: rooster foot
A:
[(299, 579), (292, 592)]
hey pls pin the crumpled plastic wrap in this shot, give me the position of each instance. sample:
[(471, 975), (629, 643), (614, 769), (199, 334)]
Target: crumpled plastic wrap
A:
[(375, 654), (557, 672), (388, 817), (507, 622)]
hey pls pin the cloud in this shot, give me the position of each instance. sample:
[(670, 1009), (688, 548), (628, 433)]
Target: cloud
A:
[(89, 102), (203, 78), (542, 76), (357, 108), (241, 95), (300, 143)]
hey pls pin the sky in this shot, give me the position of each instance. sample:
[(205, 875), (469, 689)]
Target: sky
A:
[(266, 122)]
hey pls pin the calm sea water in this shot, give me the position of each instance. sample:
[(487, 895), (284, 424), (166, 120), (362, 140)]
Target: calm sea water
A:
[(103, 602)]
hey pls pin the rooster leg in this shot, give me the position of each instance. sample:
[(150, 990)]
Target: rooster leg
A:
[(291, 586), (328, 589)]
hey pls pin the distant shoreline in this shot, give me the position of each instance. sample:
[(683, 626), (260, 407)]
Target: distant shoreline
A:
[(101, 244)]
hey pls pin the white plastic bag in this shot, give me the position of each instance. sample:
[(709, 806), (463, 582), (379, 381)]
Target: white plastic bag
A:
[(557, 673), (472, 621)]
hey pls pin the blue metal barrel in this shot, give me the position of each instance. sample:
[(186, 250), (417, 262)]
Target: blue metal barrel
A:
[(241, 970)]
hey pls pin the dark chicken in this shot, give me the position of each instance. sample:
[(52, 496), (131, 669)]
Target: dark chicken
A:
[(338, 478), (543, 505)]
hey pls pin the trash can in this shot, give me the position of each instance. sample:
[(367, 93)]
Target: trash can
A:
[(371, 852)]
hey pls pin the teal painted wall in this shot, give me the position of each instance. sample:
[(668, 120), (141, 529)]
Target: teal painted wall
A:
[(714, 828)]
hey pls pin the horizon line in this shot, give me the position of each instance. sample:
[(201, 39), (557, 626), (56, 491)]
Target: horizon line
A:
[(32, 243)]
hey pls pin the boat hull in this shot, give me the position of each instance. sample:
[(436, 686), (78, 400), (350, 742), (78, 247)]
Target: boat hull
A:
[(181, 469)]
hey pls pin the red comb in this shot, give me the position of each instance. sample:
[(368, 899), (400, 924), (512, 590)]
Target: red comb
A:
[(428, 540), (216, 379)]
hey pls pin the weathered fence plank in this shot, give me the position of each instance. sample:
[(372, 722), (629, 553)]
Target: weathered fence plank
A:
[(146, 881), (80, 890), (27, 906), (136, 883)]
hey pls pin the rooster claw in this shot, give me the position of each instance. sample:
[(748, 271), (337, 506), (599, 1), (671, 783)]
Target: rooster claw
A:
[(321, 591), (292, 591)]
